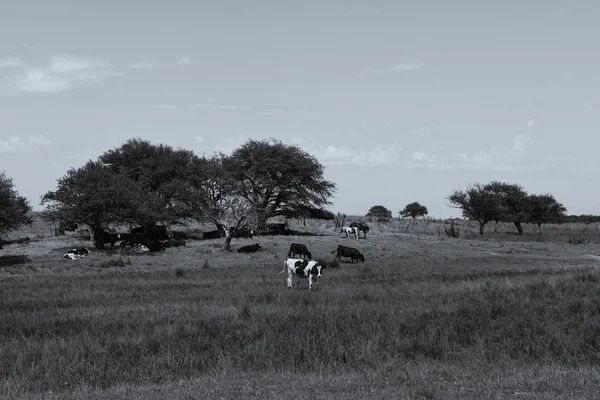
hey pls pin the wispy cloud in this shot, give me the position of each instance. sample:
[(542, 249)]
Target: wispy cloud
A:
[(11, 62), (587, 107), (184, 61), (378, 155), (144, 63), (63, 72), (421, 156), (403, 66), (170, 107), (15, 144), (531, 123), (421, 133)]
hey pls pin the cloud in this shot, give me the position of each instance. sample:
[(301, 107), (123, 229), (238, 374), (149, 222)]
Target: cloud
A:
[(64, 72), (421, 156), (531, 123), (404, 66), (11, 62), (520, 143), (367, 128), (587, 107), (170, 107), (377, 155), (15, 144), (184, 61), (421, 133), (199, 139), (483, 156), (530, 104), (144, 63)]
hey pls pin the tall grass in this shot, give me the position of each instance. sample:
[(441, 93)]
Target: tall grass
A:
[(64, 331)]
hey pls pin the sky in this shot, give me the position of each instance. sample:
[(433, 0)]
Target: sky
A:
[(401, 101)]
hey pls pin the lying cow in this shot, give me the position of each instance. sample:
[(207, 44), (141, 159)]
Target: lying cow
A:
[(77, 253), (354, 254), (299, 248), (361, 227), (302, 268), (251, 248), (349, 231)]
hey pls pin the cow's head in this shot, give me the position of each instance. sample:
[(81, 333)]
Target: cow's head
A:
[(361, 257), (315, 271)]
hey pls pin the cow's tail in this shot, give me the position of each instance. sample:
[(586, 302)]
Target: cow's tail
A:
[(334, 251), (284, 265)]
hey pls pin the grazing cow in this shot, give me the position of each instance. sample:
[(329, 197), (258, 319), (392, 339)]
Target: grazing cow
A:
[(361, 226), (349, 231), (302, 268), (79, 252), (106, 236), (251, 248), (354, 254), (299, 248)]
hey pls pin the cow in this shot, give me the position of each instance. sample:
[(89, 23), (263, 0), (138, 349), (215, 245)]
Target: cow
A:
[(251, 248), (354, 254), (302, 268), (244, 232), (74, 254), (299, 248), (349, 231), (107, 237), (154, 231), (361, 227)]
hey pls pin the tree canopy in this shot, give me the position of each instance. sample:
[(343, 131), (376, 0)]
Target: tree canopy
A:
[(14, 209), (414, 210), (379, 212), (478, 202), (544, 209)]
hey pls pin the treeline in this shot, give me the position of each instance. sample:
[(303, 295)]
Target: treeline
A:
[(143, 183)]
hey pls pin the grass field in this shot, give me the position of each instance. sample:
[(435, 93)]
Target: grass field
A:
[(426, 316)]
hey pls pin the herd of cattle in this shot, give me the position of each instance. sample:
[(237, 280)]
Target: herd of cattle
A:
[(155, 238)]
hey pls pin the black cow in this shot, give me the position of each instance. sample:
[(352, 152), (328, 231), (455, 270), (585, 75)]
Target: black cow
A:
[(107, 237), (354, 254), (361, 226), (244, 232), (299, 248), (158, 232), (251, 248)]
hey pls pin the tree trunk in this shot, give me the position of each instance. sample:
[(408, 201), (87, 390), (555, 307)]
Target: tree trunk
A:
[(519, 227), (539, 226), (227, 245), (481, 225)]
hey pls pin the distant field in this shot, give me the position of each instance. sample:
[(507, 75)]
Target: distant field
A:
[(426, 316)]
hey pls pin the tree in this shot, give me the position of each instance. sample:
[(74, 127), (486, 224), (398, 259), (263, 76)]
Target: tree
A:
[(379, 212), (513, 203), (278, 179), (14, 209), (543, 209), (96, 196), (414, 210), (159, 171), (478, 203)]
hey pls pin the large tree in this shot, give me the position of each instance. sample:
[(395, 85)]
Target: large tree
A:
[(379, 212), (278, 179), (14, 209), (543, 209), (478, 203), (513, 203), (414, 210), (159, 171), (96, 196)]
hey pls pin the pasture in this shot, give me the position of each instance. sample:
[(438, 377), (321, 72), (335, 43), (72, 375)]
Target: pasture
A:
[(426, 316)]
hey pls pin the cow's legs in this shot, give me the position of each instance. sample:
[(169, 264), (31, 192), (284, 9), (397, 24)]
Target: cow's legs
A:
[(309, 281), (289, 279)]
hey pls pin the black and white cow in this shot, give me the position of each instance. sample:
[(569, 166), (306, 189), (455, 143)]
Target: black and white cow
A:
[(251, 248), (349, 231), (299, 248), (302, 268), (351, 252), (361, 227), (79, 252)]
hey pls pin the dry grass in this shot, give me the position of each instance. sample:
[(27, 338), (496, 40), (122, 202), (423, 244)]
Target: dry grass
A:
[(426, 316)]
